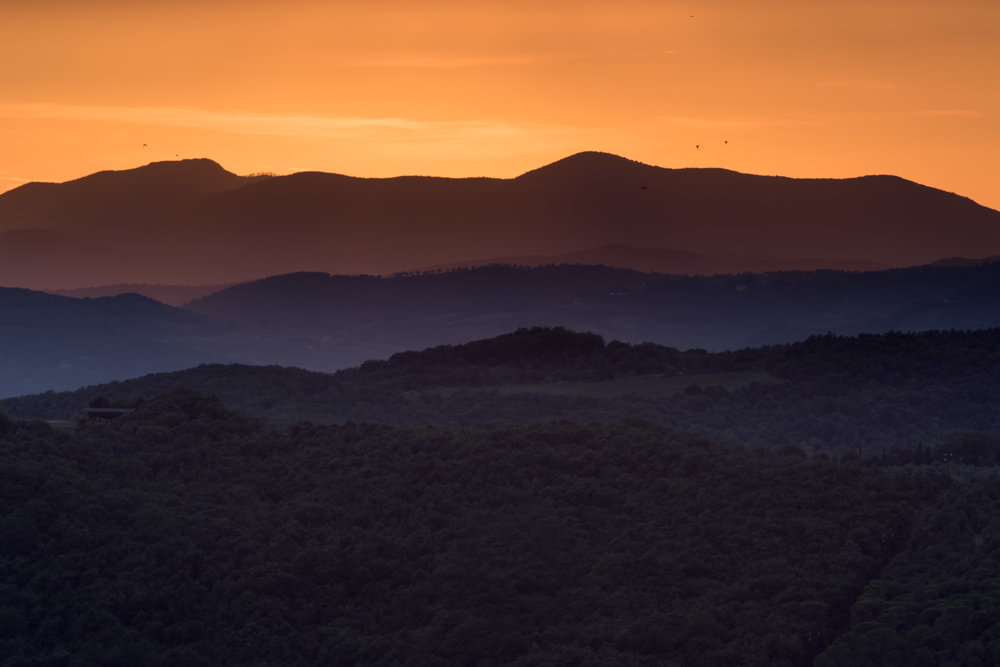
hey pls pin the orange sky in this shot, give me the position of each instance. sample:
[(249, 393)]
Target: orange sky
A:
[(475, 88)]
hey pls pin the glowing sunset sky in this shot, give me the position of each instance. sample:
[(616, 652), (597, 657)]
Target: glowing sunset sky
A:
[(829, 88)]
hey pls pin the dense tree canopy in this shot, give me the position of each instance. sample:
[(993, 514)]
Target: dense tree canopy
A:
[(188, 534), (891, 398)]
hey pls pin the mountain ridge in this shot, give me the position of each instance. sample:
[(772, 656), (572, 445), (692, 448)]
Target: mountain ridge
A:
[(163, 179), (172, 295), (717, 312), (670, 261), (200, 224), (326, 322), (939, 383)]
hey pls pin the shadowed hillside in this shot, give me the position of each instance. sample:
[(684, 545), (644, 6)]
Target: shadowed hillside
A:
[(385, 315), (884, 399), (46, 259), (77, 202), (665, 260), (323, 322), (173, 295), (52, 342), (187, 534), (193, 223)]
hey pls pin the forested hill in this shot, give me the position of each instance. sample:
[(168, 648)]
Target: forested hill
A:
[(328, 323), (377, 316), (893, 397), (186, 534)]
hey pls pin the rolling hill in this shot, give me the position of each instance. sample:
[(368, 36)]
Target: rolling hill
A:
[(172, 295), (665, 260), (885, 399), (385, 315), (191, 222), (54, 342), (324, 323)]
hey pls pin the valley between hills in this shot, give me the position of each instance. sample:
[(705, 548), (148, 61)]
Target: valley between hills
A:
[(603, 413)]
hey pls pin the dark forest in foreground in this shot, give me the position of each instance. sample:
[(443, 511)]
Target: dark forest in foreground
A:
[(542, 497), (185, 534)]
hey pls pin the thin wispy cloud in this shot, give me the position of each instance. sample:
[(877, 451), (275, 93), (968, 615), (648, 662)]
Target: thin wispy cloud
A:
[(281, 124), (736, 123), (692, 121), (907, 113), (817, 119), (860, 84), (955, 113), (420, 61)]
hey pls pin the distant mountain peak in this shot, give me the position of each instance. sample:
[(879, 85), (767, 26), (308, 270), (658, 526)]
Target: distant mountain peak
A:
[(192, 167), (587, 162), (602, 157), (156, 185), (204, 161), (165, 172), (197, 163)]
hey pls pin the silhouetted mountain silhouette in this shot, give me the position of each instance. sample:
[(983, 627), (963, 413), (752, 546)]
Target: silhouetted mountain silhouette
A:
[(49, 341), (323, 322), (371, 316), (665, 260), (192, 222), (158, 183), (173, 295)]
